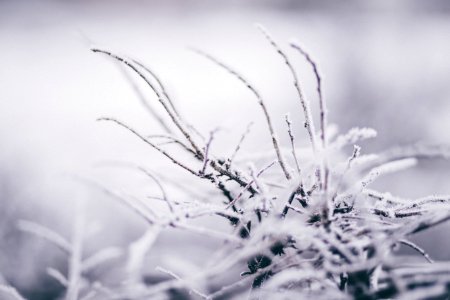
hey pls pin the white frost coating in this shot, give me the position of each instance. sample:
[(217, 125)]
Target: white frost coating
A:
[(354, 135), (387, 168), (364, 159), (375, 173)]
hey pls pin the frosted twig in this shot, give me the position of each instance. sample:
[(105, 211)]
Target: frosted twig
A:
[(212, 163), (389, 213), (296, 209), (266, 201), (231, 174), (425, 200), (298, 190), (207, 232), (309, 124), (255, 179), (260, 102), (161, 85), (291, 137), (160, 186), (322, 103), (354, 135), (323, 111), (385, 197), (225, 289), (133, 206), (428, 223), (173, 140), (241, 140), (172, 274), (206, 152), (419, 151), (260, 172), (417, 248), (144, 214), (168, 98), (167, 179), (273, 184), (387, 168), (147, 141), (161, 99), (355, 154), (144, 101)]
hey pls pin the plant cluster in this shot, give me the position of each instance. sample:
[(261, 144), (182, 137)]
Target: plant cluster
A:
[(304, 222)]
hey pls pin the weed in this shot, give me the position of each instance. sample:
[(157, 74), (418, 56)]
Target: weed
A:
[(315, 230)]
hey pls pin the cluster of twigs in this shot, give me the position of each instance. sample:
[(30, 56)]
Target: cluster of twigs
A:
[(315, 231)]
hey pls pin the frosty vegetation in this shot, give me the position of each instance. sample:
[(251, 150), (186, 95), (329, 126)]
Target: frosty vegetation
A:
[(304, 224)]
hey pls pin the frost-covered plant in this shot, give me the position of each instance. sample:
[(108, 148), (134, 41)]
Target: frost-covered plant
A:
[(315, 230)]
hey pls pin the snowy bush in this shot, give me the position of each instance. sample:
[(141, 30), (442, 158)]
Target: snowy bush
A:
[(304, 223)]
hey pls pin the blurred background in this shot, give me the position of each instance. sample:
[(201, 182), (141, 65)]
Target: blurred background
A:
[(385, 64)]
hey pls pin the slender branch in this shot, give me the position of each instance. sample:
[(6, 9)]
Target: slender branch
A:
[(207, 232), (355, 154), (231, 175), (298, 190), (296, 209), (418, 249), (291, 137), (173, 140), (322, 107), (238, 147), (261, 103), (133, 206), (309, 124), (147, 141), (161, 85), (322, 103), (160, 97), (160, 186), (144, 101), (206, 152), (216, 166), (168, 98), (172, 274), (249, 185), (426, 224)]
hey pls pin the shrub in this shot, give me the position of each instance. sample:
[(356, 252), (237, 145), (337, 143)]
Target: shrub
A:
[(304, 224)]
